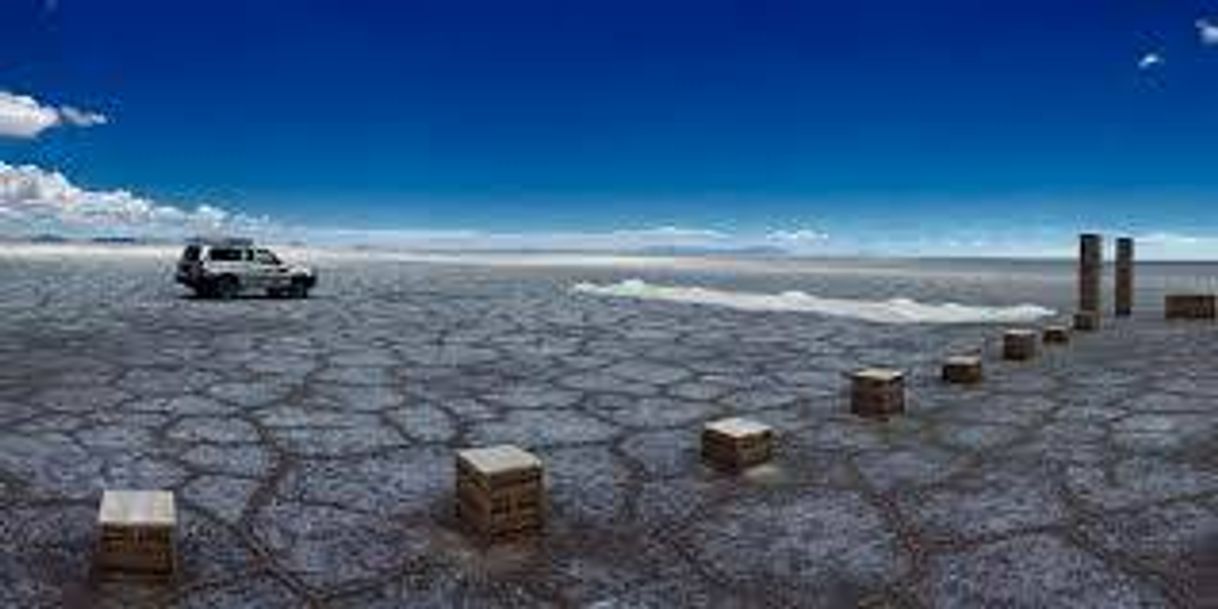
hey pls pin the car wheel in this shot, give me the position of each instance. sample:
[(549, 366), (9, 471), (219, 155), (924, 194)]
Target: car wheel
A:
[(227, 287), (299, 289)]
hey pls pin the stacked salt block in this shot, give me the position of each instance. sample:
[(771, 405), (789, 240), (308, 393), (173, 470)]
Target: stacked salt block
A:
[(737, 443), (500, 491), (1123, 306), (1056, 335), (1190, 306), (962, 369), (1087, 321), (137, 533), (877, 392), (1019, 344), (1090, 275)]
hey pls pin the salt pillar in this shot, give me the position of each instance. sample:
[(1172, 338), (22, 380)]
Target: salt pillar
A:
[(1124, 277), (500, 491), (1090, 272)]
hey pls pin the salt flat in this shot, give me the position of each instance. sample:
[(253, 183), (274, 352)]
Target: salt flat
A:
[(311, 442)]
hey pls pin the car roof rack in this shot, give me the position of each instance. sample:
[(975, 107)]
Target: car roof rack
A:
[(222, 241)]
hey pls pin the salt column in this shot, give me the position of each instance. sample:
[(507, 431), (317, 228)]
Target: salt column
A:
[(1090, 273), (1124, 277)]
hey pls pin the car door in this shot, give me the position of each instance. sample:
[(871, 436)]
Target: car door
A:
[(271, 273), (228, 261)]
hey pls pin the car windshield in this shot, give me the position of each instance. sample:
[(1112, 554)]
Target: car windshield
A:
[(191, 253)]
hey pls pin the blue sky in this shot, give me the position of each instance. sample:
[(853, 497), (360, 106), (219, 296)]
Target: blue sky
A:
[(938, 121)]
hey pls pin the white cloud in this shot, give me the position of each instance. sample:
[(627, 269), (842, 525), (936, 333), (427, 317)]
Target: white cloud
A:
[(477, 240), (34, 199), (797, 237), (662, 238), (24, 117), (1167, 245), (1177, 245), (1164, 238), (81, 118), (1208, 30), (1150, 60)]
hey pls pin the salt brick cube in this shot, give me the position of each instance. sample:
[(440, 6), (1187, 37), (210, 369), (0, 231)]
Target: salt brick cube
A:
[(500, 491), (877, 392), (962, 369), (1190, 306), (1087, 321), (137, 530), (1019, 344), (1056, 335), (737, 443)]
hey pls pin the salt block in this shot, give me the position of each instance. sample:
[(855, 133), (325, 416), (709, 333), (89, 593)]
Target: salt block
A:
[(1090, 271), (1190, 306), (1019, 344), (1056, 335), (877, 392), (737, 443), (1087, 321), (962, 369), (137, 533), (500, 491), (1123, 306)]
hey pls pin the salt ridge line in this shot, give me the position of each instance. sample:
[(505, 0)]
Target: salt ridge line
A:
[(894, 311)]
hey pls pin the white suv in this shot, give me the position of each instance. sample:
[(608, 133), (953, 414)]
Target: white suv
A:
[(226, 269)]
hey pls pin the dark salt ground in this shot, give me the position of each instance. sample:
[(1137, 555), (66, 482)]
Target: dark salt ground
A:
[(311, 443)]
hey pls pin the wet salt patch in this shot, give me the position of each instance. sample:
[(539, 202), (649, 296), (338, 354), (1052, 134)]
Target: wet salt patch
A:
[(894, 311)]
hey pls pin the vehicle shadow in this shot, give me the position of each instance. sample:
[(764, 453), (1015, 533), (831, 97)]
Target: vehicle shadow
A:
[(244, 297)]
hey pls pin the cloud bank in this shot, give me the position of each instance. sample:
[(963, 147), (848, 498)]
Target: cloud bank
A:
[(24, 117), (659, 239), (33, 199)]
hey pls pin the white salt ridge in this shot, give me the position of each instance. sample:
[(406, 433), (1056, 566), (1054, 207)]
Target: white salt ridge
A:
[(894, 311)]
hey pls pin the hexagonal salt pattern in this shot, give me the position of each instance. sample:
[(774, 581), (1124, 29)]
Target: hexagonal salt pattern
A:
[(310, 444)]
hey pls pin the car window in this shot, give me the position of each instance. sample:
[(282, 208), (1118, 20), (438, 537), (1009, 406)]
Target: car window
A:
[(226, 254), (265, 257), (191, 253)]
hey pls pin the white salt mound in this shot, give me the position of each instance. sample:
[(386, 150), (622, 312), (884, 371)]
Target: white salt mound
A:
[(894, 311)]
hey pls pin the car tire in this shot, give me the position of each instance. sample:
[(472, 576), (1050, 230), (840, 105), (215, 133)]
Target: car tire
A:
[(204, 290), (226, 287), (299, 289)]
